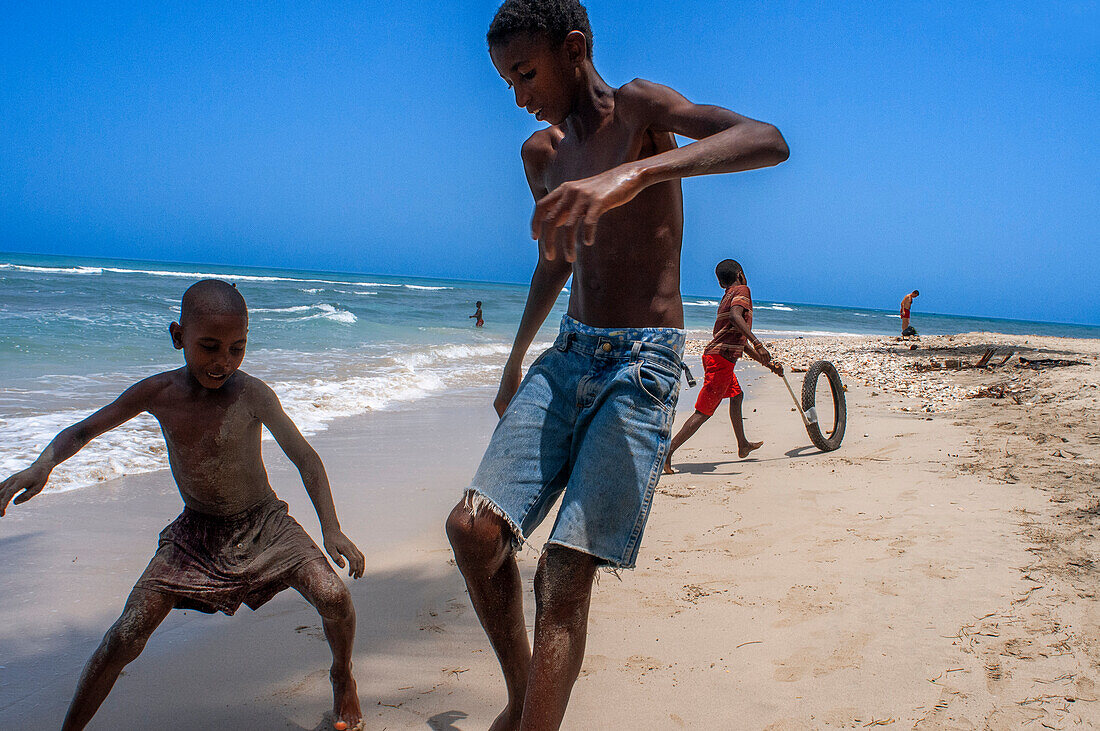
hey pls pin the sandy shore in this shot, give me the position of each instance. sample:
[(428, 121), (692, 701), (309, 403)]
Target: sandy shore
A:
[(935, 572)]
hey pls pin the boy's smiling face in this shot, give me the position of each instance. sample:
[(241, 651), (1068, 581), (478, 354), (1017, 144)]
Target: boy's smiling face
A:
[(213, 346), (541, 76)]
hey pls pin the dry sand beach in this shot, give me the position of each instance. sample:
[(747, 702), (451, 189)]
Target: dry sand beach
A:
[(935, 572)]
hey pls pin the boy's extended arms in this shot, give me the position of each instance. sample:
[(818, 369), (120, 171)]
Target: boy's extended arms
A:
[(315, 480), (30, 481), (726, 142), (546, 283)]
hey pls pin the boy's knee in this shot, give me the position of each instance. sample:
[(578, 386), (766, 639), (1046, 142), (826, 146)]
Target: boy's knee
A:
[(477, 536), (331, 597), (124, 641), (563, 581)]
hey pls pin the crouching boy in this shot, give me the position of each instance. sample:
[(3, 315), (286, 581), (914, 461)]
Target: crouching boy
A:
[(234, 542)]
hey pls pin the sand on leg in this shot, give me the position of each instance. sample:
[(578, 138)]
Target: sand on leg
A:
[(323, 588), (563, 593), (482, 544), (124, 641)]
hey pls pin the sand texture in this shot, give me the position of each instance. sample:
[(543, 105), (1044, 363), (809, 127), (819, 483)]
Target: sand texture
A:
[(937, 571)]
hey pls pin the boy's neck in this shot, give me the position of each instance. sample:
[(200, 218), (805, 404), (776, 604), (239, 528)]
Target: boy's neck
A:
[(593, 103)]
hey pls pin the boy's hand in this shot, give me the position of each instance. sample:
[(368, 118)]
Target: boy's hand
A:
[(776, 367), (570, 212), (29, 482), (509, 384), (339, 547)]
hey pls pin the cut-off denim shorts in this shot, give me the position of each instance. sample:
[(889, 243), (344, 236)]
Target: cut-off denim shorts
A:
[(593, 418)]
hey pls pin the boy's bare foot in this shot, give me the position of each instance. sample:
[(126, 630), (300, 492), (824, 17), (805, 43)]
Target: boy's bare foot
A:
[(750, 447), (668, 466), (346, 714), (508, 720)]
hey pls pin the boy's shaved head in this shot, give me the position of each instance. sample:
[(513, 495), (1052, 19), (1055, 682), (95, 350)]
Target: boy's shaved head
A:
[(212, 297), (553, 18)]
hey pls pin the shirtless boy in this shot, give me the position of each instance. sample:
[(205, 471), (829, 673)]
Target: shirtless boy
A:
[(592, 417), (234, 542), (906, 304), (732, 337), (480, 322)]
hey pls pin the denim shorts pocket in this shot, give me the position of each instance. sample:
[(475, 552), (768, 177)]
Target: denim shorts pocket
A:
[(656, 381)]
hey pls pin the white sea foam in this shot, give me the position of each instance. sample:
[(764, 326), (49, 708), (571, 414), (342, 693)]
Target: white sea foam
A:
[(702, 303), (200, 275), (781, 308), (318, 311), (52, 270), (807, 334)]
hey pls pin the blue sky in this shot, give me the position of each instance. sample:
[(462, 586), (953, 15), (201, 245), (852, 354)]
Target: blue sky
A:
[(946, 146)]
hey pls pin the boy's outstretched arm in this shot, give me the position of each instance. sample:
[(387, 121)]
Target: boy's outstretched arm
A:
[(315, 479), (754, 348), (546, 283), (29, 482), (726, 143)]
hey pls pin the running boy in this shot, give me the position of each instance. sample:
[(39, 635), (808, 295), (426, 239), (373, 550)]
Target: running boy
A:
[(732, 337), (234, 542), (592, 418)]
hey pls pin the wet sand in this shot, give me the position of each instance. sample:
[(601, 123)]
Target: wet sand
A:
[(935, 572)]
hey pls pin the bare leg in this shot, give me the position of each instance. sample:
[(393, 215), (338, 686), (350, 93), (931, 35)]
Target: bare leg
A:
[(482, 545), (904, 324), (143, 613), (563, 592), (744, 446), (322, 588), (689, 428)]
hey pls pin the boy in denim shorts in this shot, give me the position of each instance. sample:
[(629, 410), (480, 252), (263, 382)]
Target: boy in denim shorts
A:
[(590, 423)]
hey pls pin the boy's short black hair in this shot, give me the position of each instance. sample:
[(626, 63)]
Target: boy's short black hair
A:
[(916, 293), (212, 297), (553, 18), (478, 303), (728, 271)]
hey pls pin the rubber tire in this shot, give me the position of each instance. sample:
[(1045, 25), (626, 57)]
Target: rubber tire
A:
[(809, 398)]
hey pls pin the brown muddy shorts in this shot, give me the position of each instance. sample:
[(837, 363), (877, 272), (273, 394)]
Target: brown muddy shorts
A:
[(215, 563)]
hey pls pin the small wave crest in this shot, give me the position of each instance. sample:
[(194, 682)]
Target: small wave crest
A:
[(52, 270), (317, 311)]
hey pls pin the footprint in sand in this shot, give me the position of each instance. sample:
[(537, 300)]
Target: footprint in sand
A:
[(803, 602), (818, 661)]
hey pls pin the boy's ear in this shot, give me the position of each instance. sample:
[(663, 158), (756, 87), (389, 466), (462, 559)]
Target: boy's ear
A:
[(176, 331), (576, 46)]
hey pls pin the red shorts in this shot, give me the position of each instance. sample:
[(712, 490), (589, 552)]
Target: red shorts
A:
[(718, 383), (905, 314)]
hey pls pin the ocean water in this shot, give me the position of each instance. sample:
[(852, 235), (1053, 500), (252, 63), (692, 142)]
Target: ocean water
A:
[(76, 332)]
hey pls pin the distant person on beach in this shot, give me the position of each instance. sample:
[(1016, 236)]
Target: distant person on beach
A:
[(477, 315), (906, 304), (234, 542), (732, 337), (592, 419)]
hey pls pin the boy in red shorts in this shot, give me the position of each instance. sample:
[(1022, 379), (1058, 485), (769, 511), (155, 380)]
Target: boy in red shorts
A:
[(732, 337)]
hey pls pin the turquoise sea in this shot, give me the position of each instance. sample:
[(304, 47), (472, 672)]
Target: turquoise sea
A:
[(75, 332)]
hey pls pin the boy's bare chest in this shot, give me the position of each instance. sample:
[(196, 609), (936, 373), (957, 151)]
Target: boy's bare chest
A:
[(207, 428), (607, 148)]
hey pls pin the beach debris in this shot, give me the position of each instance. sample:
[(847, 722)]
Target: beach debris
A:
[(1041, 363)]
